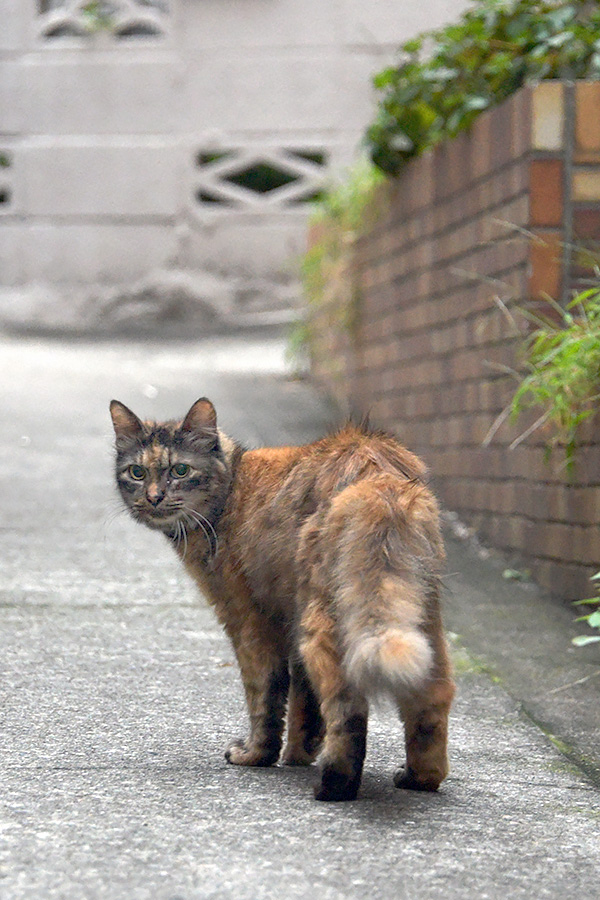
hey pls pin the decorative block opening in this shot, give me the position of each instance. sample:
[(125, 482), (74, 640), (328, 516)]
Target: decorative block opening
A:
[(246, 177), (122, 19), (204, 159), (58, 31), (5, 186), (319, 159), (310, 197), (262, 178), (207, 197), (140, 29)]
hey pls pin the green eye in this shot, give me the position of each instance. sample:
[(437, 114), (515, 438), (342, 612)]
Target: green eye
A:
[(138, 473), (180, 470)]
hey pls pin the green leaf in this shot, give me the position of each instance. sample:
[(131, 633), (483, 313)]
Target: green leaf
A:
[(594, 619), (516, 574), (476, 103), (581, 640), (442, 74), (413, 46), (559, 40), (384, 78)]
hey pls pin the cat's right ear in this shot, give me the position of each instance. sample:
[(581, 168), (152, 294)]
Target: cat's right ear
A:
[(126, 424)]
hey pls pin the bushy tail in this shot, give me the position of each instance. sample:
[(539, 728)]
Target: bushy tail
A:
[(387, 659), (387, 562)]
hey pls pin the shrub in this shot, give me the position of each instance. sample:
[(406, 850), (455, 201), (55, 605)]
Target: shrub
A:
[(448, 77)]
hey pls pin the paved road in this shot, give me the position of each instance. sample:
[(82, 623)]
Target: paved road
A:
[(119, 691)]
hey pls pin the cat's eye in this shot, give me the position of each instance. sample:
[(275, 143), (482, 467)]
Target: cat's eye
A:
[(138, 473), (180, 470)]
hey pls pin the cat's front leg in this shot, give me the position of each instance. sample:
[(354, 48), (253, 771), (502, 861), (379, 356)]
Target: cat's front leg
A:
[(266, 679), (305, 727)]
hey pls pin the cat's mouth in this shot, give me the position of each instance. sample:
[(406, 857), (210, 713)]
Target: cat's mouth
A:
[(161, 519)]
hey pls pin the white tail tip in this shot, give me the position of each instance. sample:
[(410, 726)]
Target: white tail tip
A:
[(389, 663)]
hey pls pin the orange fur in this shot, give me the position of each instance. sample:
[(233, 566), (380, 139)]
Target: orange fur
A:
[(325, 573)]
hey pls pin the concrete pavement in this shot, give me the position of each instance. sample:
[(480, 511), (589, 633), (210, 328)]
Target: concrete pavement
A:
[(119, 691)]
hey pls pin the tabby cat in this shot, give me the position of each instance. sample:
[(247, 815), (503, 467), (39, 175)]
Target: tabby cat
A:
[(322, 562)]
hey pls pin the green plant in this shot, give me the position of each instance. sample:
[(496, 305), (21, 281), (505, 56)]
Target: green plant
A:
[(338, 218), (562, 363), (562, 370), (446, 78), (98, 15), (592, 618)]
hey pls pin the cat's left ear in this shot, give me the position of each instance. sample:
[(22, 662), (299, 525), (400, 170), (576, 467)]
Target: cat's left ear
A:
[(126, 424), (202, 418), (200, 425)]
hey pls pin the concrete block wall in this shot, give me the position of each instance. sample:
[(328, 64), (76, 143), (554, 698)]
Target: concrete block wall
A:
[(468, 232), (102, 130)]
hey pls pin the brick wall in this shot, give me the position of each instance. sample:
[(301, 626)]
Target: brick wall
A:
[(467, 232)]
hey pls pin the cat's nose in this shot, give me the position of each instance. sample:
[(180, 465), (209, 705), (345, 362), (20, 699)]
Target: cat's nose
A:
[(154, 495)]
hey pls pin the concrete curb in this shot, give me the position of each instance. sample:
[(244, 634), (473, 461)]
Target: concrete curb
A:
[(522, 637)]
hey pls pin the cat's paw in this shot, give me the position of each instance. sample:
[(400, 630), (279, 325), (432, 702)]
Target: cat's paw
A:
[(335, 786), (407, 779), (243, 753), (298, 755)]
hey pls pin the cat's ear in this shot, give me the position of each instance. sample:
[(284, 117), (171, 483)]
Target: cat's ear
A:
[(126, 424), (202, 418)]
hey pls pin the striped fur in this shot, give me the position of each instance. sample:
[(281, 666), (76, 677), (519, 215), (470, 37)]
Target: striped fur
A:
[(323, 563)]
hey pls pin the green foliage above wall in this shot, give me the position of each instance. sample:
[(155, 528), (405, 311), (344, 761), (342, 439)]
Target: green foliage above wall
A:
[(448, 77)]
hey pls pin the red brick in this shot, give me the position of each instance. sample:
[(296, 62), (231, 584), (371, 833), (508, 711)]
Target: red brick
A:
[(502, 134), (521, 122), (587, 122), (481, 138), (586, 222), (546, 265), (546, 192)]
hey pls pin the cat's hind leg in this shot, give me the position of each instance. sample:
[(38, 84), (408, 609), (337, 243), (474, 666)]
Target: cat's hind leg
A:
[(343, 709), (266, 679), (425, 716), (305, 728)]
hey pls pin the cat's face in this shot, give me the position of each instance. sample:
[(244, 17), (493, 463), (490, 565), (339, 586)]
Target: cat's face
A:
[(170, 475)]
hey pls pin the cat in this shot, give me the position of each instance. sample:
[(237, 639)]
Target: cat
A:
[(323, 564)]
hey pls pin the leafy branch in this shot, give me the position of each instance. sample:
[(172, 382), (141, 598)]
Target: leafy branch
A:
[(446, 78)]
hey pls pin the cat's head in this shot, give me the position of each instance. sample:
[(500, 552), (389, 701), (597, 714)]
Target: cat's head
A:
[(171, 474)]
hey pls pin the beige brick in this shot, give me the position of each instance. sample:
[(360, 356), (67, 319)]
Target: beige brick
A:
[(547, 125), (586, 183)]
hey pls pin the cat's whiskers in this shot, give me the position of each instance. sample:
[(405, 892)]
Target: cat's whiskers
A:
[(192, 519), (200, 521), (206, 522), (114, 513), (181, 535)]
